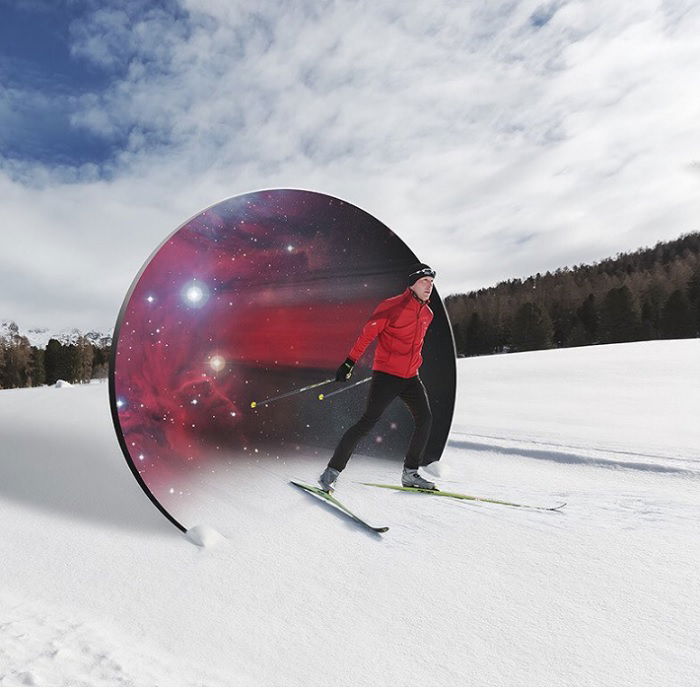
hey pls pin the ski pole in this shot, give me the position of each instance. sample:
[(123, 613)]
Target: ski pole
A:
[(321, 396), (254, 404)]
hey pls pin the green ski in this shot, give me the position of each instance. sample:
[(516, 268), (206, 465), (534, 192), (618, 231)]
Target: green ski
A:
[(325, 496), (463, 497)]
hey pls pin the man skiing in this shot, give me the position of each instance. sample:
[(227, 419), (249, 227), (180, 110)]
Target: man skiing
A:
[(399, 324)]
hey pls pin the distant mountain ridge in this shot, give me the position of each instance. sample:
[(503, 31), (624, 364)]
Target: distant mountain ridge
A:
[(39, 337)]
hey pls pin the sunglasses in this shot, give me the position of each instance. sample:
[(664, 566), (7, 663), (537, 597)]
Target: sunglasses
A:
[(423, 272)]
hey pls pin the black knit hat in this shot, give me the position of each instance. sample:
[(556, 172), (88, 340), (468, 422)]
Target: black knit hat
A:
[(420, 271)]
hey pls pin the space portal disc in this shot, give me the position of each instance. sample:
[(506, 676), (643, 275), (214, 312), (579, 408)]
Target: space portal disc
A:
[(225, 339)]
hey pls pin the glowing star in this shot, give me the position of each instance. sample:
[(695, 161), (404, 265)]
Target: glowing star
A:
[(121, 402), (150, 299), (194, 402), (217, 363), (290, 248), (195, 294)]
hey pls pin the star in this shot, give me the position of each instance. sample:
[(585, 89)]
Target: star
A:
[(195, 294), (217, 363)]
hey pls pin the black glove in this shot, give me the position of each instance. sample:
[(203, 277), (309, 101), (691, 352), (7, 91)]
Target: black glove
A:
[(344, 370)]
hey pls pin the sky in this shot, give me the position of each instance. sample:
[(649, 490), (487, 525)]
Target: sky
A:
[(497, 139)]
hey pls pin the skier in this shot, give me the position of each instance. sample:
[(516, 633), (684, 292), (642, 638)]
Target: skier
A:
[(399, 324)]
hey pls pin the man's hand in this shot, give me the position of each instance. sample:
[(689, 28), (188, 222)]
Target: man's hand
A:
[(344, 370)]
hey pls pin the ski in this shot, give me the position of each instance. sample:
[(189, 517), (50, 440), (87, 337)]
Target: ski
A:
[(463, 497), (332, 500)]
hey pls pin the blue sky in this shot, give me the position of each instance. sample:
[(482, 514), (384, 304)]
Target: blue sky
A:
[(37, 66), (497, 139)]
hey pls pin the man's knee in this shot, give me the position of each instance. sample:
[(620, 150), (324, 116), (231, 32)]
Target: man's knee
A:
[(365, 423)]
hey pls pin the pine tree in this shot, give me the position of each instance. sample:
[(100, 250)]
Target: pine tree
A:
[(532, 329), (86, 359), (100, 361), (677, 319), (473, 343), (80, 356), (579, 335), (694, 296), (619, 318), (57, 362), (563, 320), (587, 315), (15, 373), (655, 297), (37, 367), (24, 358)]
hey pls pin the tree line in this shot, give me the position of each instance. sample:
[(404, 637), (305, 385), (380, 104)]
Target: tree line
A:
[(648, 294), (24, 366)]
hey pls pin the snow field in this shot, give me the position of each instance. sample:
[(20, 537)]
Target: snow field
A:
[(104, 591)]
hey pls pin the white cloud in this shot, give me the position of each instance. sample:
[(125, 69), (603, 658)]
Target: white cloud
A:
[(497, 139)]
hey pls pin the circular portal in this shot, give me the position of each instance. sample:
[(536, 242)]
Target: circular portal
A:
[(227, 334)]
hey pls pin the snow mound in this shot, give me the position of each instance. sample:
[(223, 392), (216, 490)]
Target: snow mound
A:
[(204, 536), (63, 384)]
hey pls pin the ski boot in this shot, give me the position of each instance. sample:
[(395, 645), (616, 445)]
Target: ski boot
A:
[(411, 478), (327, 480)]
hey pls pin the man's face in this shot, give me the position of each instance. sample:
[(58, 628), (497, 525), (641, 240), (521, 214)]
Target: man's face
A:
[(423, 288)]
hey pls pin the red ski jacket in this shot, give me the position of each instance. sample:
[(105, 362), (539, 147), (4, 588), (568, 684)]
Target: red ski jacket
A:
[(399, 324)]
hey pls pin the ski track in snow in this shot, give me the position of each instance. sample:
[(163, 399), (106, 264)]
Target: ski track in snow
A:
[(564, 454)]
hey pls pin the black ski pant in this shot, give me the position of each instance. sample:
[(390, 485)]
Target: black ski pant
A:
[(383, 389)]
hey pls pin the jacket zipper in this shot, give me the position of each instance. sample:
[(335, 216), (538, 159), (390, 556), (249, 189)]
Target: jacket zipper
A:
[(413, 344)]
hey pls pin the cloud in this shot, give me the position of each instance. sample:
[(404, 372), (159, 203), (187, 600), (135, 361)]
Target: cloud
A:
[(497, 139)]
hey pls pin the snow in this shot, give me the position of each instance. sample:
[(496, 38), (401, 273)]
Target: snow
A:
[(39, 337), (100, 589), (204, 536)]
